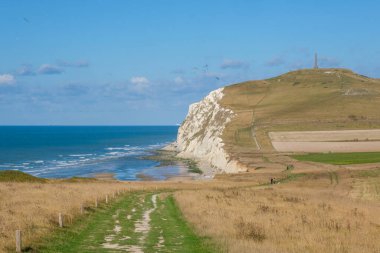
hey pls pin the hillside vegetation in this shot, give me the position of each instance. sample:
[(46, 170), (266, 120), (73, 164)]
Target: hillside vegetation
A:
[(309, 99), (18, 176)]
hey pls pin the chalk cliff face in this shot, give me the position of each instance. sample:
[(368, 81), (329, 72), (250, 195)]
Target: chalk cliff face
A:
[(200, 134)]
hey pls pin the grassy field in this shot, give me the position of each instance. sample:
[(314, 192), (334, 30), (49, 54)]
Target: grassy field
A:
[(306, 211), (114, 228), (33, 206), (341, 158), (321, 212), (18, 176)]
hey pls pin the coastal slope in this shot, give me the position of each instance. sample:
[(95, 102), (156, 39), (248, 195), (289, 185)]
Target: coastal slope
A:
[(231, 128)]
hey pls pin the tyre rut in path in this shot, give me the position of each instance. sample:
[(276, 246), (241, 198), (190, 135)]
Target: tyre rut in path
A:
[(142, 226)]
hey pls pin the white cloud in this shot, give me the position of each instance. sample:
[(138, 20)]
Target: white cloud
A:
[(140, 84), (7, 79), (178, 80), (139, 80), (234, 64), (26, 70), (48, 69), (74, 64)]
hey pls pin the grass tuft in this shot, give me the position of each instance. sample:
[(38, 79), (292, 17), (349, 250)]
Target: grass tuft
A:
[(250, 231)]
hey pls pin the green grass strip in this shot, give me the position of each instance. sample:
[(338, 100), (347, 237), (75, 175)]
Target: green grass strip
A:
[(341, 158), (178, 236), (87, 233)]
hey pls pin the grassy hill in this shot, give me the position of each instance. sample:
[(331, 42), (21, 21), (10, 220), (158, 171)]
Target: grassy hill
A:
[(309, 99), (18, 176)]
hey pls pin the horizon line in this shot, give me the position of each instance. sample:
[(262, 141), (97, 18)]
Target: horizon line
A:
[(82, 125)]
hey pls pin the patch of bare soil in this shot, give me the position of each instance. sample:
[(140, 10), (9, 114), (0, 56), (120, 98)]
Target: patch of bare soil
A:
[(327, 141)]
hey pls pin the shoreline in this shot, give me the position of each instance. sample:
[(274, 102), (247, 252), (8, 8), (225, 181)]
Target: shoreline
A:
[(167, 157), (169, 167)]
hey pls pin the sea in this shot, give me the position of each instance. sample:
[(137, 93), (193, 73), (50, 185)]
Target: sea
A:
[(85, 151)]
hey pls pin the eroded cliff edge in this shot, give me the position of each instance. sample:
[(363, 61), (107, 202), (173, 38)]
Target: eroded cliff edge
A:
[(199, 136)]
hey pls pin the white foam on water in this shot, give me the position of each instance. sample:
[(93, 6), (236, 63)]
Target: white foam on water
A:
[(75, 155), (76, 161)]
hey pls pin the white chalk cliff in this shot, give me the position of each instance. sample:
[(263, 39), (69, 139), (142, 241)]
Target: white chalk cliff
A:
[(199, 136)]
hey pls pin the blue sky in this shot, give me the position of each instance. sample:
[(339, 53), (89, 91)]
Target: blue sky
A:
[(143, 62)]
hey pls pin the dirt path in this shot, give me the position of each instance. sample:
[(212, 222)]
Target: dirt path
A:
[(142, 228), (253, 125), (141, 222)]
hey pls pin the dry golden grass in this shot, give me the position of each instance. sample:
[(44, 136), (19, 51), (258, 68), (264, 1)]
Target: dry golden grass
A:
[(324, 211), (319, 213), (34, 207)]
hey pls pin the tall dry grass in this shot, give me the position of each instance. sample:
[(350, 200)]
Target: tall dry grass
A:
[(334, 211), (312, 215), (34, 207)]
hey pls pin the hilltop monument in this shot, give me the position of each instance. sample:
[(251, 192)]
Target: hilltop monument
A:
[(316, 61)]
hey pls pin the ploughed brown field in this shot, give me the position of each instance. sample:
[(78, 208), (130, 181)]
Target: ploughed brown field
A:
[(326, 141)]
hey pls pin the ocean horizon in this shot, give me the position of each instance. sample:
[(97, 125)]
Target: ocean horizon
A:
[(85, 151)]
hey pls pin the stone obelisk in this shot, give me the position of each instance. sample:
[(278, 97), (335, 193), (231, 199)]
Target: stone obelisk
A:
[(316, 61)]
